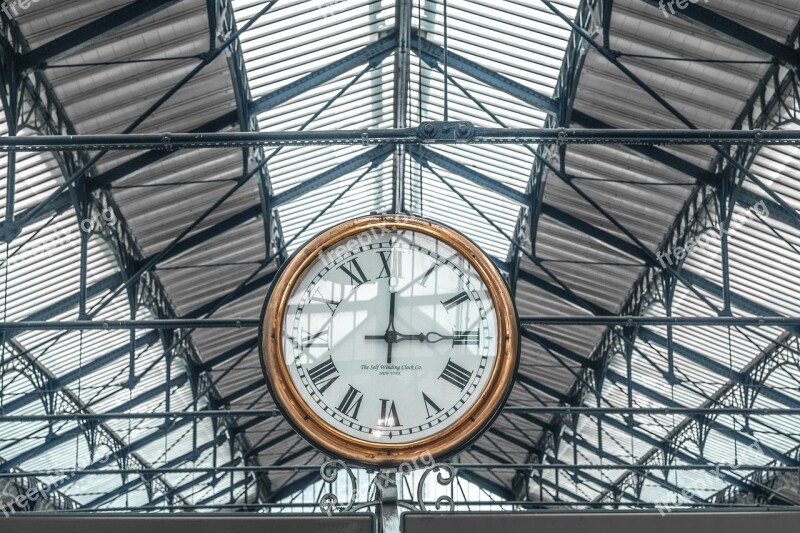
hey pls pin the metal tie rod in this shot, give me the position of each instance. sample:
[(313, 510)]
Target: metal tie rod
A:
[(427, 133), (554, 410), (713, 467), (777, 321)]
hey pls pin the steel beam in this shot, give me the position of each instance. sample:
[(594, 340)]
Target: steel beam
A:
[(68, 435), (434, 54), (228, 120), (62, 382), (400, 110), (374, 52), (73, 402), (373, 156), (731, 31), (423, 154), (186, 457), (660, 398), (92, 32), (210, 364), (204, 137), (718, 368)]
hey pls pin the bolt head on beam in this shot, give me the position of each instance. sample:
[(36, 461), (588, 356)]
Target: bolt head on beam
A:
[(9, 231)]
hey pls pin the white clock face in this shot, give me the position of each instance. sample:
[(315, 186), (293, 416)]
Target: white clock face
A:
[(390, 337)]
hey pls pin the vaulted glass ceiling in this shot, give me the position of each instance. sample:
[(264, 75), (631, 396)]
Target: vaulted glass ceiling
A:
[(584, 232)]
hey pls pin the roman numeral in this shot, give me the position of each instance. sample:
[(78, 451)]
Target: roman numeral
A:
[(424, 280), (351, 403), (386, 271), (456, 300), (355, 272), (429, 403), (456, 375), (315, 340), (388, 414), (323, 375), (332, 304), (466, 338)]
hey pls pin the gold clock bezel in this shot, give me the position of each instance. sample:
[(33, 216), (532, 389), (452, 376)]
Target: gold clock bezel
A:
[(338, 444)]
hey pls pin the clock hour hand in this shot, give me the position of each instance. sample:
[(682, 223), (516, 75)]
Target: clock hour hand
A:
[(390, 332), (434, 337)]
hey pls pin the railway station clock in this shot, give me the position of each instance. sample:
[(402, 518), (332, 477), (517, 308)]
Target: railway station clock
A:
[(386, 338)]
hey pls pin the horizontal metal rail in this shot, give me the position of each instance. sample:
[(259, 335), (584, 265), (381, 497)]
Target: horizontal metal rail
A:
[(780, 321), (661, 321), (430, 133), (719, 467), (524, 505), (269, 413)]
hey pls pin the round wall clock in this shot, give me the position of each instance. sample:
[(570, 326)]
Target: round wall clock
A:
[(388, 338)]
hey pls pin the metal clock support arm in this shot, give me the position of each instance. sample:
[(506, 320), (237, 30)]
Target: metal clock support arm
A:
[(387, 511), (386, 500)]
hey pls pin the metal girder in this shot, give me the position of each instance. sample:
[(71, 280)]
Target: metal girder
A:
[(539, 283), (85, 35), (508, 494), (62, 382), (374, 53), (606, 6), (658, 397), (724, 430), (731, 31), (653, 153), (402, 79), (433, 54), (373, 156), (260, 283), (717, 368), (140, 162), (371, 52), (72, 402), (749, 199), (66, 436), (423, 155), (486, 484), (447, 133), (241, 393), (249, 344), (188, 456)]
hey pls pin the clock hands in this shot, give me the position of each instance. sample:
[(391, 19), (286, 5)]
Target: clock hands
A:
[(392, 337), (390, 332)]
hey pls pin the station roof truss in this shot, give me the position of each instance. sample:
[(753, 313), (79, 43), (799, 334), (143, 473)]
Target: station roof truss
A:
[(622, 415)]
